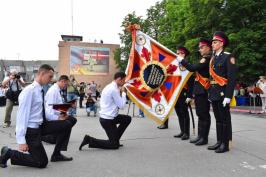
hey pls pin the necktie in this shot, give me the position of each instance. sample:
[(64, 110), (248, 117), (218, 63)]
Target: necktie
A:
[(43, 108)]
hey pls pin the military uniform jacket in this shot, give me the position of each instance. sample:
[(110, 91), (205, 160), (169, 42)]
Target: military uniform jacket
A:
[(202, 68), (224, 66)]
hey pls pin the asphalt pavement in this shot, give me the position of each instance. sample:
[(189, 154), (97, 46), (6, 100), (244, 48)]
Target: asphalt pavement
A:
[(150, 152)]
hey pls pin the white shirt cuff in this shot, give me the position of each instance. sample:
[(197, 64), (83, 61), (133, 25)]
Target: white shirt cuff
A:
[(21, 140)]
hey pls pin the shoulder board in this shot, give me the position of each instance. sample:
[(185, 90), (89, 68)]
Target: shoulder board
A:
[(227, 53)]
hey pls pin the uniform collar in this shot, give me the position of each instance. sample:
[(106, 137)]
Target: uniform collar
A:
[(37, 85), (218, 53), (115, 84), (57, 86)]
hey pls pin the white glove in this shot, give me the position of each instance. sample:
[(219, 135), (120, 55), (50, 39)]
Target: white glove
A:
[(188, 100), (179, 58), (226, 101)]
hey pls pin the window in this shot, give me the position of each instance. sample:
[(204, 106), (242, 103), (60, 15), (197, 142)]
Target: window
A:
[(29, 68)]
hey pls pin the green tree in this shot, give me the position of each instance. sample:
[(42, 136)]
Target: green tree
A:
[(183, 22), (122, 54)]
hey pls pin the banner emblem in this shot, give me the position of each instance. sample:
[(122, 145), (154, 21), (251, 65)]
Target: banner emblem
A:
[(140, 39), (154, 76), (159, 109)]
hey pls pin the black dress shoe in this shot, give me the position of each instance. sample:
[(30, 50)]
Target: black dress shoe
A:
[(223, 148), (85, 141), (214, 147), (202, 141), (185, 137), (195, 139), (162, 127), (5, 155), (179, 135), (58, 158)]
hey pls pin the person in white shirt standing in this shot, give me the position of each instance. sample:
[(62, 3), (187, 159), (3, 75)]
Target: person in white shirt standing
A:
[(32, 124), (53, 96), (262, 85), (110, 103), (14, 82)]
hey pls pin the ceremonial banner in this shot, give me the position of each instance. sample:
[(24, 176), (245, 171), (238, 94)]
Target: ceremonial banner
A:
[(154, 77)]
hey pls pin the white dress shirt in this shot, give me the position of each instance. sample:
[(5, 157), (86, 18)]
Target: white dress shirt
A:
[(218, 52), (2, 92), (13, 83), (262, 86), (29, 112), (52, 96), (111, 101)]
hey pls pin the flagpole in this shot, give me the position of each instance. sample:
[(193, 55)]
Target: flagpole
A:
[(72, 18)]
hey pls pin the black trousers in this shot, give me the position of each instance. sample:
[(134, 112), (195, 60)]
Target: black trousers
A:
[(37, 156), (81, 97), (113, 132), (181, 109), (202, 106), (223, 121)]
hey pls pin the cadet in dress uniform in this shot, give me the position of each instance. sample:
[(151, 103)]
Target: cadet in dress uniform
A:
[(201, 86), (32, 124), (223, 80)]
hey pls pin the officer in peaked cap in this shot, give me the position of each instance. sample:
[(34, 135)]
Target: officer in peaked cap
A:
[(201, 85), (222, 79)]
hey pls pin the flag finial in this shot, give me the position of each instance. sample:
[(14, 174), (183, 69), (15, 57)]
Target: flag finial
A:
[(132, 27)]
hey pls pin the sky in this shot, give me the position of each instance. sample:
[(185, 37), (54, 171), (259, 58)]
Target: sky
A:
[(31, 29)]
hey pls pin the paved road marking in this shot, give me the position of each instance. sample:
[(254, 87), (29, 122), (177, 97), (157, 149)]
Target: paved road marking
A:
[(246, 165), (263, 166)]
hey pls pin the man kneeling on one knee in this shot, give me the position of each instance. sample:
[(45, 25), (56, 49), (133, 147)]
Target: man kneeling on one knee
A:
[(110, 103), (32, 123)]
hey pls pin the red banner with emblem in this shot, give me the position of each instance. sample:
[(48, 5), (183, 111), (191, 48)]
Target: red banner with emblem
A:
[(154, 77)]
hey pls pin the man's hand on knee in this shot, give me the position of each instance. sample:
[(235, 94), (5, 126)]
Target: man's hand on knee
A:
[(23, 147), (62, 117)]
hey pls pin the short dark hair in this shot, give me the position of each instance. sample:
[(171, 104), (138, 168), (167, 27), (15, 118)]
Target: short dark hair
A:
[(184, 50), (119, 75), (45, 67), (63, 77)]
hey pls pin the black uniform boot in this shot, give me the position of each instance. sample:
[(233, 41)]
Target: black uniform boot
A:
[(163, 126), (195, 140), (230, 134), (179, 135), (224, 147), (219, 132), (185, 136), (186, 129), (204, 136)]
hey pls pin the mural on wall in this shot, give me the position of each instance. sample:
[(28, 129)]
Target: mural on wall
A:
[(89, 60)]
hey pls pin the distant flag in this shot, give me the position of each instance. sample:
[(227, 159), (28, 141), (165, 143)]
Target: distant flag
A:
[(154, 76)]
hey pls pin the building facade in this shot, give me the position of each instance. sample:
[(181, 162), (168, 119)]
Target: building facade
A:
[(26, 69), (87, 61)]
